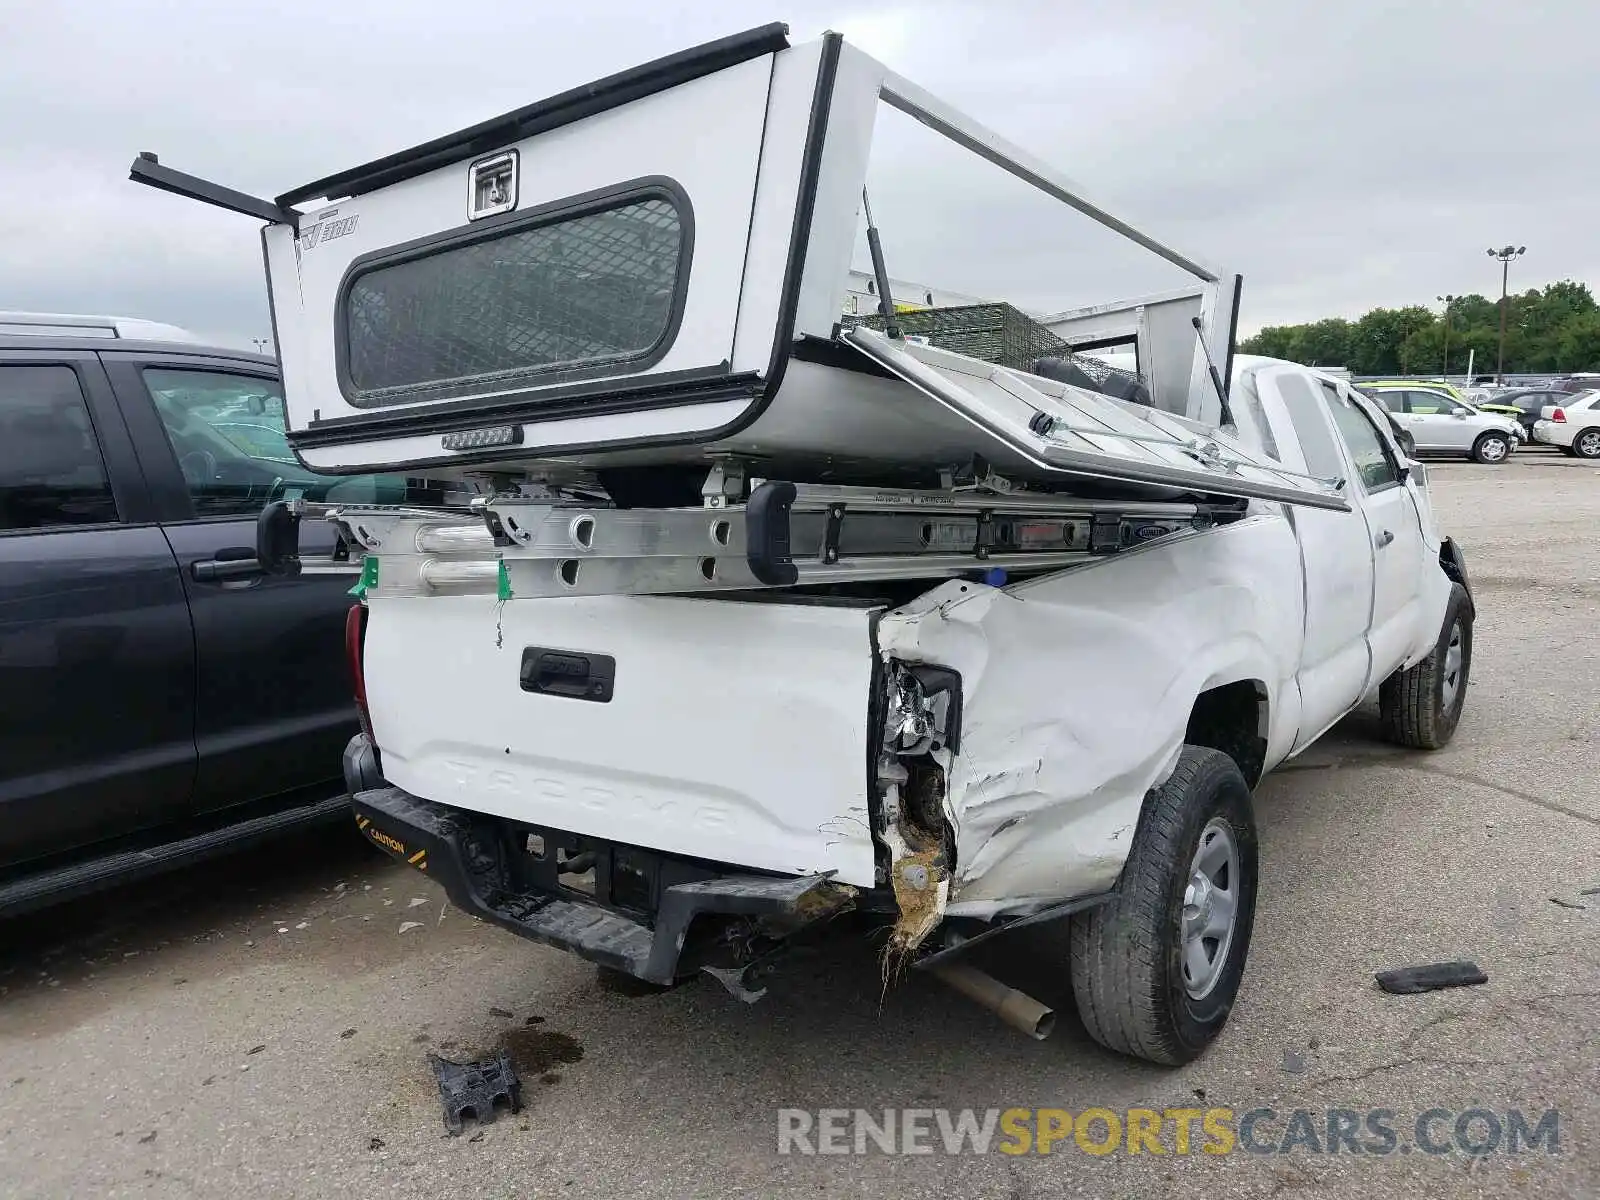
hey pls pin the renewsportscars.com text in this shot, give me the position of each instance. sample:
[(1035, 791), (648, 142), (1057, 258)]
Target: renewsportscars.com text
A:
[(1099, 1131)]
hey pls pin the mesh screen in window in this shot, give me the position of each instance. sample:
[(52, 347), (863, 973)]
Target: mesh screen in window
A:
[(597, 288)]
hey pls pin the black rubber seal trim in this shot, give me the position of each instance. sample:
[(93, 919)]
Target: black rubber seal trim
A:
[(542, 116), (1233, 337), (665, 390)]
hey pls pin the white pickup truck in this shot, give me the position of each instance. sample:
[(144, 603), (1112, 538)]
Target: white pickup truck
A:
[(762, 624)]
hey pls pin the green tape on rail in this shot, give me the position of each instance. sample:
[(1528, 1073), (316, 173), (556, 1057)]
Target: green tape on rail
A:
[(502, 586), (369, 576)]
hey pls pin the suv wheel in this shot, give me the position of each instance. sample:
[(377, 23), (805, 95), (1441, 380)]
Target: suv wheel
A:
[(1491, 448), (1155, 972)]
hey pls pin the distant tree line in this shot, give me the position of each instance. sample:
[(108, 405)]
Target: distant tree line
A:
[(1555, 329)]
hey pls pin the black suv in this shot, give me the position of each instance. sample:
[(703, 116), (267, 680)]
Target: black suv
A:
[(160, 697)]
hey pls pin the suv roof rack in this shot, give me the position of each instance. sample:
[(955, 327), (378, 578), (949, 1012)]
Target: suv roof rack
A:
[(39, 324)]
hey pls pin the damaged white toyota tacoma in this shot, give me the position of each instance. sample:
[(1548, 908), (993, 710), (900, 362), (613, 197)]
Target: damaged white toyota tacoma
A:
[(751, 621)]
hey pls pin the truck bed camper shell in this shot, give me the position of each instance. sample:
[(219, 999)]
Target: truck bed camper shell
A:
[(645, 277)]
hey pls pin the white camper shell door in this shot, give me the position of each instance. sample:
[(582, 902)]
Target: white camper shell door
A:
[(1072, 431), (602, 258)]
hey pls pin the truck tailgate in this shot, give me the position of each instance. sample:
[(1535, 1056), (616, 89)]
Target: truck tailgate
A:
[(731, 731)]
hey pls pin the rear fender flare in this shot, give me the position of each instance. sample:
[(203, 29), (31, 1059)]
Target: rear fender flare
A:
[(1454, 563)]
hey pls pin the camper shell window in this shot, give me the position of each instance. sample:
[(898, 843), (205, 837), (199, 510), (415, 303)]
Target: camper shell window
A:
[(572, 290)]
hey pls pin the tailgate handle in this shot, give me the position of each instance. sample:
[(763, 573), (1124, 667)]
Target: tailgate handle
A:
[(573, 674)]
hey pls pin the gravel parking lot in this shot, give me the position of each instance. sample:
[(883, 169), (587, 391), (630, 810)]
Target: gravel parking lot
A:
[(259, 1027)]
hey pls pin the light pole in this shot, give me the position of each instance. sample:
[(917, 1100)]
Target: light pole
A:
[(261, 345), (1505, 254), (1447, 301)]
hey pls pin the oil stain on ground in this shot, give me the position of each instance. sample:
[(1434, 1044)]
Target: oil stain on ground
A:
[(535, 1051)]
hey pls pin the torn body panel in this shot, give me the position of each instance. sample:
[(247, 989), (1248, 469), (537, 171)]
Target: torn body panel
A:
[(1077, 688)]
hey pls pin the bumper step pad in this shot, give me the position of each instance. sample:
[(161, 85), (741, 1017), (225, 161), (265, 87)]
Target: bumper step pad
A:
[(464, 852)]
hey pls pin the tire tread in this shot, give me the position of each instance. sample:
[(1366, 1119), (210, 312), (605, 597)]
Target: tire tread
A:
[(1115, 950), (1406, 699)]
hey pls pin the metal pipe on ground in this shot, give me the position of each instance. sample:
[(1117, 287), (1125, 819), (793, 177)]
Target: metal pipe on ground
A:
[(1017, 1009)]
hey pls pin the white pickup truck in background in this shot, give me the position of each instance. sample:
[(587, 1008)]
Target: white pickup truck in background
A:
[(763, 622)]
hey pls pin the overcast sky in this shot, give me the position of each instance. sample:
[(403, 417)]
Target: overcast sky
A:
[(1339, 153)]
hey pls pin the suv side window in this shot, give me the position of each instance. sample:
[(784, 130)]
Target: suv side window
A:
[(1428, 403), (51, 471), (1366, 445), (227, 430)]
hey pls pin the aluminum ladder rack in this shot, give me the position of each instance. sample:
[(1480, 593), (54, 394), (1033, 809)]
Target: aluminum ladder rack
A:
[(784, 535)]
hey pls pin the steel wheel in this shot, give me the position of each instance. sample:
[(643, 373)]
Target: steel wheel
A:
[(1210, 908), (1156, 971), (1452, 666)]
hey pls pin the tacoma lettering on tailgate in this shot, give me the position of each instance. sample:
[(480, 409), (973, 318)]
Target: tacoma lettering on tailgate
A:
[(659, 808)]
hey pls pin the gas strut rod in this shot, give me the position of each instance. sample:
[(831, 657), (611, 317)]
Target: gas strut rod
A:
[(880, 273)]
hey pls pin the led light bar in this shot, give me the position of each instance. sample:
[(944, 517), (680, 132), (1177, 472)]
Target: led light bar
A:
[(483, 439)]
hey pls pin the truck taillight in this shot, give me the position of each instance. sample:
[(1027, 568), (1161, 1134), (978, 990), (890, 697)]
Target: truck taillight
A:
[(1559, 416), (355, 633)]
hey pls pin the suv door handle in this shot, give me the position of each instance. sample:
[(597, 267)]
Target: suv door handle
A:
[(235, 562), (1384, 539)]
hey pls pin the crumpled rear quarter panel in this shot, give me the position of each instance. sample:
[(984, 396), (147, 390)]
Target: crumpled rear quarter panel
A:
[(1077, 690)]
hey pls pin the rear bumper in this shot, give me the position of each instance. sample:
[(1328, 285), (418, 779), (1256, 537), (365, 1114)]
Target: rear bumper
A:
[(1544, 432), (658, 918)]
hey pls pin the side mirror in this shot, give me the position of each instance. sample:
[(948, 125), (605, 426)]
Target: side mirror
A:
[(1408, 442)]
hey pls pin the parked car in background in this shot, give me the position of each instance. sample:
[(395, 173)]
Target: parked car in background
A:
[(161, 698), (1442, 424), (1434, 385), (1526, 405), (1484, 399), (1573, 384), (1572, 425)]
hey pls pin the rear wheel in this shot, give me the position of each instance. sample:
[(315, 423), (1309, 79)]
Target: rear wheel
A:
[(1491, 448), (1420, 707), (1156, 971), (1587, 444)]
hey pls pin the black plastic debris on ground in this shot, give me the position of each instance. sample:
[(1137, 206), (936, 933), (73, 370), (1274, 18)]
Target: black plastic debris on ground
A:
[(476, 1089), (1407, 981)]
